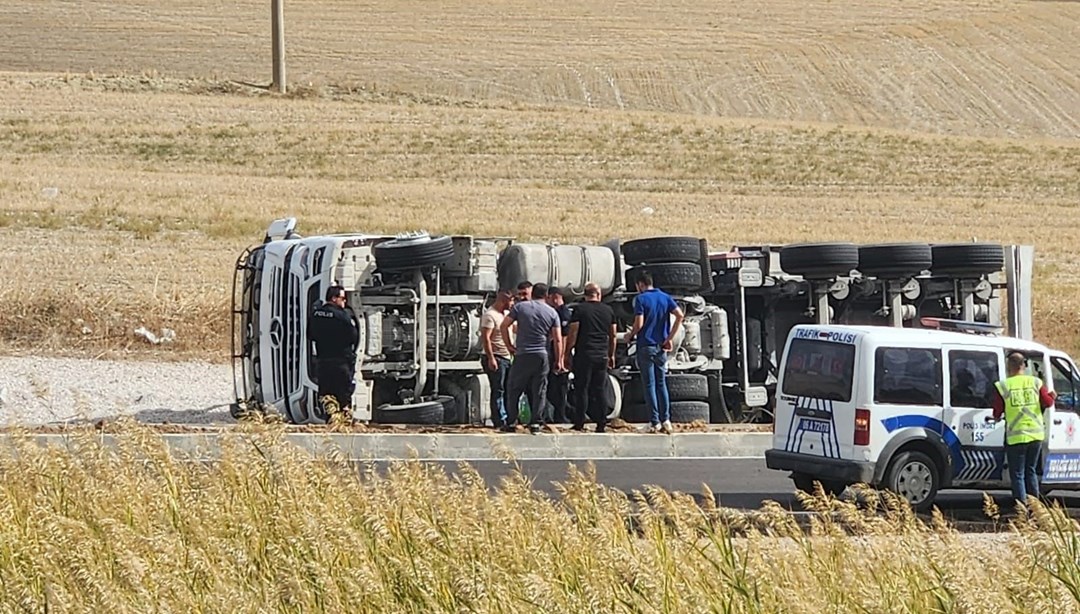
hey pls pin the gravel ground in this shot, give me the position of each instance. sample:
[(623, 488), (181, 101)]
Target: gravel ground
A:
[(37, 391)]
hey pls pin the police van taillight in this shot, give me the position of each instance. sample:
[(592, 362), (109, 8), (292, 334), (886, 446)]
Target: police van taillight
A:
[(862, 427)]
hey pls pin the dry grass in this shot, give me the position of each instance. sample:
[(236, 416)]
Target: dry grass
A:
[(266, 528), (959, 119)]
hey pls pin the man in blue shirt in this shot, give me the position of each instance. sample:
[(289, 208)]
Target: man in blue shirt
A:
[(654, 331)]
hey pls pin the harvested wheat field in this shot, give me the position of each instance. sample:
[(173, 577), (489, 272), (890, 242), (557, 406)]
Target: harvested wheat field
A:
[(134, 167), (90, 528)]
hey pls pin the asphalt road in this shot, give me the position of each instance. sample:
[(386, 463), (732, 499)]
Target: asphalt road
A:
[(738, 483)]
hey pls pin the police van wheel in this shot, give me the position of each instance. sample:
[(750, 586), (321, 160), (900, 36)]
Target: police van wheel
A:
[(915, 477)]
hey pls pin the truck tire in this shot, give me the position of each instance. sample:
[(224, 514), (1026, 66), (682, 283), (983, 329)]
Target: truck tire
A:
[(719, 413), (974, 259), (684, 412), (407, 254), (681, 387), (671, 276), (635, 413), (425, 412), (915, 477), (659, 250), (687, 387), (819, 260), (894, 260)]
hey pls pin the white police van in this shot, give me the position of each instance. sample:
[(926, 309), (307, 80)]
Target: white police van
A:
[(909, 409)]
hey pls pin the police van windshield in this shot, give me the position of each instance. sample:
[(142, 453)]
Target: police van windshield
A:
[(819, 369)]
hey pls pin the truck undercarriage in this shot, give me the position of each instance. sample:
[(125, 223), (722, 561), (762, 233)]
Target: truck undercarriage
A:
[(419, 298)]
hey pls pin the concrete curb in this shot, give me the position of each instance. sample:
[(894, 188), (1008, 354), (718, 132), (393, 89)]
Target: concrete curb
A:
[(469, 447)]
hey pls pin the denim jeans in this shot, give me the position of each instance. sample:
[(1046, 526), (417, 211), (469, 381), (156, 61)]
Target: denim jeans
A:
[(497, 383), (1022, 459), (652, 363)]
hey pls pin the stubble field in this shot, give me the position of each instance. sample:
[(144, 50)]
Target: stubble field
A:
[(133, 169)]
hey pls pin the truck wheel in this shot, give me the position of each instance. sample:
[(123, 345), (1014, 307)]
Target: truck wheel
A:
[(819, 260), (805, 483), (894, 259), (635, 413), (684, 412), (718, 407), (659, 250), (413, 252), (671, 276), (967, 258), (687, 387), (425, 412), (613, 395), (915, 477)]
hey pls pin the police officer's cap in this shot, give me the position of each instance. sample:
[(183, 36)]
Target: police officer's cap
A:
[(335, 291)]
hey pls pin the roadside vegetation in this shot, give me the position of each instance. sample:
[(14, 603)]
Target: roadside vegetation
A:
[(132, 528)]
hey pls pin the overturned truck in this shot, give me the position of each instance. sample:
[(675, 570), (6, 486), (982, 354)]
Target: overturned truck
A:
[(418, 299)]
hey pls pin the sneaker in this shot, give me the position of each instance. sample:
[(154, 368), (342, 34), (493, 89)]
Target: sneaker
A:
[(578, 427), (654, 428), (534, 429), (508, 428), (666, 427)]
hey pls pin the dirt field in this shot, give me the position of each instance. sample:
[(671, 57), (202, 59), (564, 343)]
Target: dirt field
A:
[(133, 170)]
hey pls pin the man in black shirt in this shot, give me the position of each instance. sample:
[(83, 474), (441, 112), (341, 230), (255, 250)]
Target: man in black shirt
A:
[(592, 337), (334, 330)]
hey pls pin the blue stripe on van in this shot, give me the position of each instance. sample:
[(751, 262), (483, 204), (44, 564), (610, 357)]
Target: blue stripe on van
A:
[(933, 424)]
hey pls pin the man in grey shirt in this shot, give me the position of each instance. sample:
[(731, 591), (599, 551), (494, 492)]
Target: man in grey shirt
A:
[(537, 325)]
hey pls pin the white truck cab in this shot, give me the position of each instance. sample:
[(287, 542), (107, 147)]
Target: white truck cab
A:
[(909, 409)]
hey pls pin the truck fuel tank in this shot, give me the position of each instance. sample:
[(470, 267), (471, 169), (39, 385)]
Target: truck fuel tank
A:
[(560, 266)]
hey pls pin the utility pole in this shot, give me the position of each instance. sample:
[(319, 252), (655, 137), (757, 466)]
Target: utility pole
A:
[(277, 25)]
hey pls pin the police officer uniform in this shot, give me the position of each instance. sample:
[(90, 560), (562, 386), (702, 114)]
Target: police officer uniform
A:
[(334, 330)]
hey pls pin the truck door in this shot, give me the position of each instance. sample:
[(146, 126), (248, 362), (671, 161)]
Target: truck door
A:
[(972, 372), (1061, 455)]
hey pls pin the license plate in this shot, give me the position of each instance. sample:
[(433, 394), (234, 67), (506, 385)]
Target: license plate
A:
[(815, 426)]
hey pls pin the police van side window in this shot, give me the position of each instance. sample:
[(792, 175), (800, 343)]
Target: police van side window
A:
[(907, 376), (1064, 385), (971, 378), (819, 370)]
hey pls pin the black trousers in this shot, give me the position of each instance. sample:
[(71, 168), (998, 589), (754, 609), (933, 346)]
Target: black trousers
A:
[(336, 379), (590, 391), (528, 375), (558, 387)]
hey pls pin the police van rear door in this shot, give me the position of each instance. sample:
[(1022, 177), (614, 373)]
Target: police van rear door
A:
[(1061, 456), (816, 397)]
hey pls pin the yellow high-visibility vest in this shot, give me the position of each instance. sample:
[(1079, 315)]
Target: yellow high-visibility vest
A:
[(1023, 410)]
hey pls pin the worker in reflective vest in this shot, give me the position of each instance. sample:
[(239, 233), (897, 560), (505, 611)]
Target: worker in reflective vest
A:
[(1021, 398)]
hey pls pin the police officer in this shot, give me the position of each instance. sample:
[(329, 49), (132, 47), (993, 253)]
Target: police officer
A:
[(1022, 399), (334, 330)]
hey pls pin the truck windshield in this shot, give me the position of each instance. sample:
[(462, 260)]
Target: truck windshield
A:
[(819, 370)]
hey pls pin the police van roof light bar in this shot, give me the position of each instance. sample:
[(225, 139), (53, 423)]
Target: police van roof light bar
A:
[(961, 326)]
